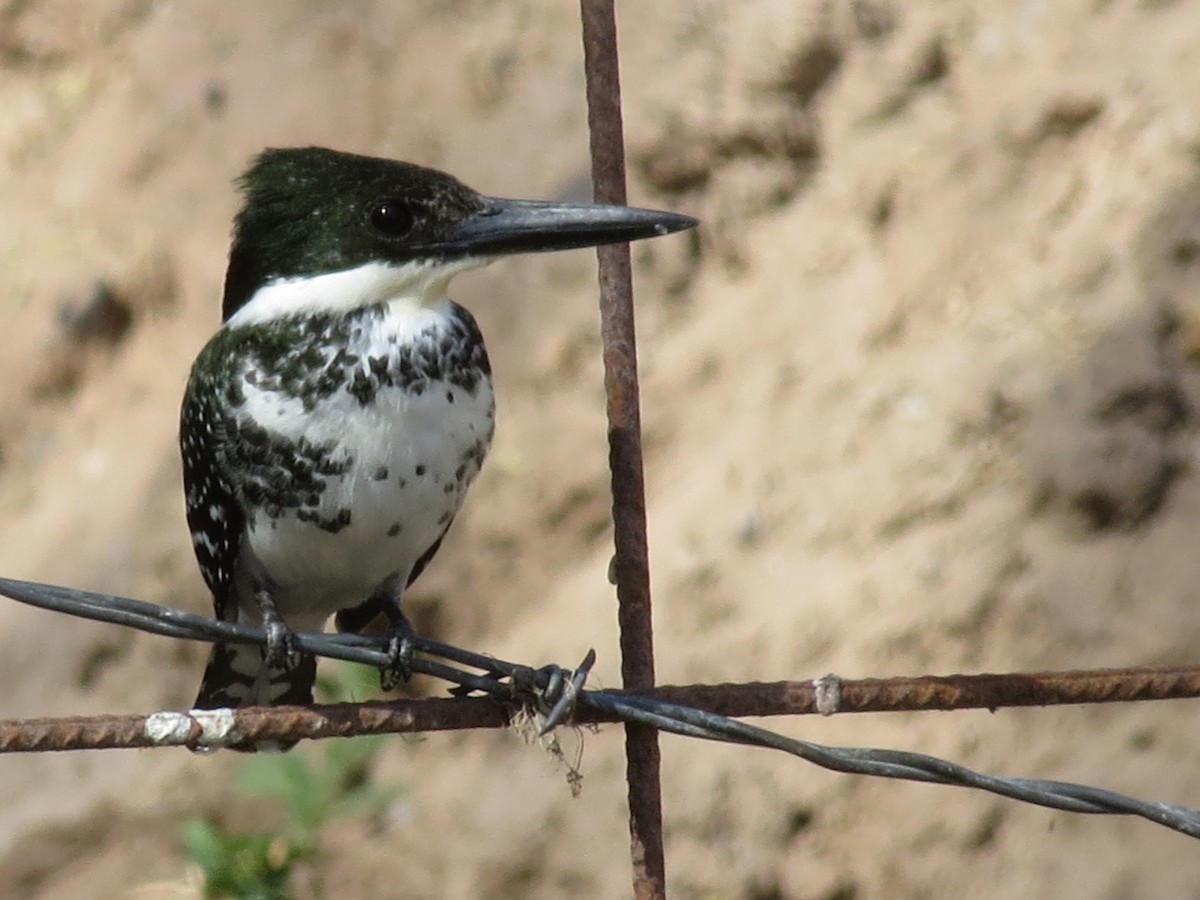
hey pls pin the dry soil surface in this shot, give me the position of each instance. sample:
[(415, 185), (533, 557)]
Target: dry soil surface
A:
[(920, 396)]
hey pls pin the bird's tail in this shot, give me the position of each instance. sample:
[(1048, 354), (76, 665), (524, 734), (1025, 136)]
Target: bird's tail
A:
[(238, 675)]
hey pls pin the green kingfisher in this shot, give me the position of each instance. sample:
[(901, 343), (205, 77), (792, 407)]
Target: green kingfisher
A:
[(333, 424)]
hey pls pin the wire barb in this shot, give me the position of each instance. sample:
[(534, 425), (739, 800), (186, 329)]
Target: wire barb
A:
[(570, 689)]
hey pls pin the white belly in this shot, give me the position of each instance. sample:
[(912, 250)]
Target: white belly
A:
[(408, 460)]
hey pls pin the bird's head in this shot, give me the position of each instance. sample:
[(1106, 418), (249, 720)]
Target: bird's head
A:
[(321, 229)]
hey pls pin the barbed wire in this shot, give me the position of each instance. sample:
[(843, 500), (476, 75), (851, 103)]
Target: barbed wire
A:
[(552, 690)]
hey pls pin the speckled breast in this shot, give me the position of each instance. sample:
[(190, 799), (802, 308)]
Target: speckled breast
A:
[(387, 446)]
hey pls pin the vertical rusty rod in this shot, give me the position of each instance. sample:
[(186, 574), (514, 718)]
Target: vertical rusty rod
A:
[(632, 567)]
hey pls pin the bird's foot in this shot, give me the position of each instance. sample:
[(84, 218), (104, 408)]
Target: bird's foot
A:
[(397, 669), (283, 649)]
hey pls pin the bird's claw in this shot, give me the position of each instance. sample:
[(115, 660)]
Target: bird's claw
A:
[(283, 647), (397, 669)]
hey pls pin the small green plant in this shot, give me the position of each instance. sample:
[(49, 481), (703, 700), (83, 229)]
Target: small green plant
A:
[(247, 865), (312, 788)]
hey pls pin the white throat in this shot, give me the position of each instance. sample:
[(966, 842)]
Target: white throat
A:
[(423, 283)]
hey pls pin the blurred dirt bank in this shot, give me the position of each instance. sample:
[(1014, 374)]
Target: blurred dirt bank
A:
[(921, 397)]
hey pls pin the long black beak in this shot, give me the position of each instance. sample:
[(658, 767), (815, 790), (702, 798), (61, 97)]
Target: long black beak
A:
[(536, 226)]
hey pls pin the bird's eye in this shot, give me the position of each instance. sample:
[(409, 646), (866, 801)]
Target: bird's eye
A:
[(391, 217)]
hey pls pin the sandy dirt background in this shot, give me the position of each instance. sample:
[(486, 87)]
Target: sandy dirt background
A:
[(921, 396)]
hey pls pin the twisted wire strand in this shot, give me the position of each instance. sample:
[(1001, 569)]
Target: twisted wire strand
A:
[(551, 689)]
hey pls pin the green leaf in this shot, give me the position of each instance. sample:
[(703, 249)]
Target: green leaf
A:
[(243, 865), (275, 775), (203, 844)]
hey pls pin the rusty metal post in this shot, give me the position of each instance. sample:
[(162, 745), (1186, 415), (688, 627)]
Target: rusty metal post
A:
[(632, 568)]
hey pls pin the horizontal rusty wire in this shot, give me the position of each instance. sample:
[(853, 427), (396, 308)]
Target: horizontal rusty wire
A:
[(780, 698), (822, 695), (938, 692), (198, 728), (206, 729)]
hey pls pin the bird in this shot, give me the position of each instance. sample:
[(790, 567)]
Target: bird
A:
[(332, 425)]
